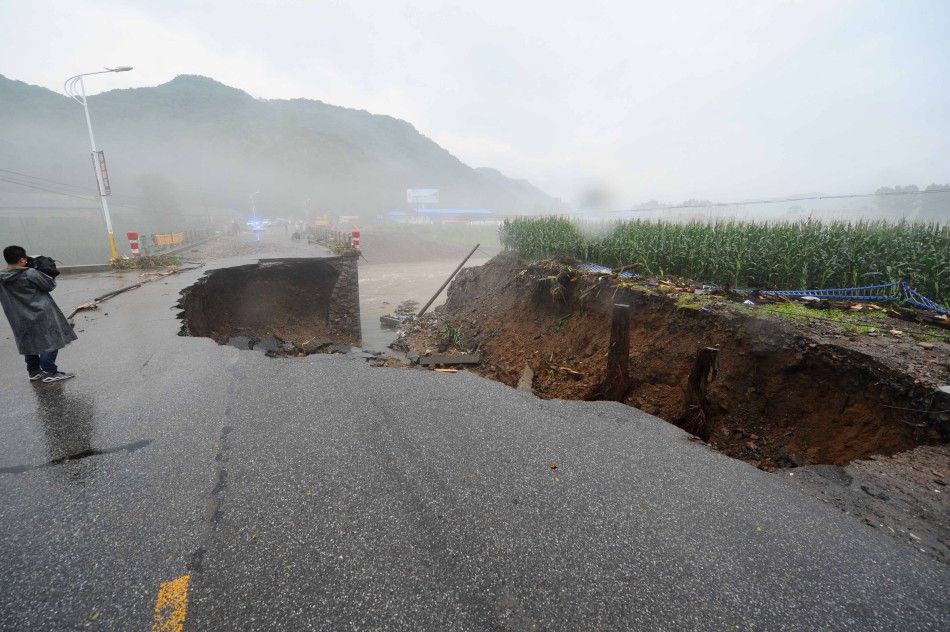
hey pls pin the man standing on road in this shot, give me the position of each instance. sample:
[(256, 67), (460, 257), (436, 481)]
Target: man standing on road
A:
[(40, 328)]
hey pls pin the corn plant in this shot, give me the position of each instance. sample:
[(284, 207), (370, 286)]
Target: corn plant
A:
[(769, 255)]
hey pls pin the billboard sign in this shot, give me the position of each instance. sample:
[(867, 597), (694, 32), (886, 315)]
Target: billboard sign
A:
[(422, 196), (102, 174)]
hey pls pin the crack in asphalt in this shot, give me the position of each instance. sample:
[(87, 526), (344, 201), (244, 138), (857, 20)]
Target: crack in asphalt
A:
[(126, 447), (213, 508)]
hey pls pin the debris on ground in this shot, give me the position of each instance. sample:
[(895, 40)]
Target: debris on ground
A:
[(403, 315), (450, 359), (902, 495), (148, 262), (147, 277), (83, 307), (343, 248)]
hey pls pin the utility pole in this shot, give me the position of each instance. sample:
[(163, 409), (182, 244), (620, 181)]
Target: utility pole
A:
[(76, 89)]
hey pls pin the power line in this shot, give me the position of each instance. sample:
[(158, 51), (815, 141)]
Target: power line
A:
[(47, 189), (781, 200), (64, 184), (57, 182), (47, 207)]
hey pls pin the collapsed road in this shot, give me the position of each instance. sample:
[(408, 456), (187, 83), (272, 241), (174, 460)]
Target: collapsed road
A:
[(299, 305), (824, 400), (321, 493)]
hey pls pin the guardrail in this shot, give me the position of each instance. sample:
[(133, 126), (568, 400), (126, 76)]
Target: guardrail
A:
[(168, 239), (156, 243)]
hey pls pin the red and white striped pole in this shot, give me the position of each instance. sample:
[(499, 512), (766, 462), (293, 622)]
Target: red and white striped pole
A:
[(355, 235), (134, 244)]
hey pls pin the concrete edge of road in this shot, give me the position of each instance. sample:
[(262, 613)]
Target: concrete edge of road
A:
[(107, 267), (184, 247), (95, 267)]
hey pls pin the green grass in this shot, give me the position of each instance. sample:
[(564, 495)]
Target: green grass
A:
[(561, 323), (860, 322), (450, 336), (808, 254), (692, 301)]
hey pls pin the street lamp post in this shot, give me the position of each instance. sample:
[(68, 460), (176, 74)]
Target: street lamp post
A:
[(76, 89)]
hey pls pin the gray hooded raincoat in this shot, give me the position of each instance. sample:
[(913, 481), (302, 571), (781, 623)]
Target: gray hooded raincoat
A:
[(37, 322)]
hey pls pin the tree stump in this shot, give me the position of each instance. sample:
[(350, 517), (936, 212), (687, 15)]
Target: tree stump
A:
[(616, 382), (695, 418)]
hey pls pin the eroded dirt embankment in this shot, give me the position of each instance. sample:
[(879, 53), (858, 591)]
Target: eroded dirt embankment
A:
[(786, 393)]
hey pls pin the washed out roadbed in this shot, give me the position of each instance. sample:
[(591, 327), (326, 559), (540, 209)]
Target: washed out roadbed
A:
[(904, 495), (844, 397)]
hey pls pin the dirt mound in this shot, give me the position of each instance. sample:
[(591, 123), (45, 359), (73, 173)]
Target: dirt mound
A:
[(787, 392)]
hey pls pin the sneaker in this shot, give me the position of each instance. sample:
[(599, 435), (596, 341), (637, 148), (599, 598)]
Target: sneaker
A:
[(39, 375), (59, 376)]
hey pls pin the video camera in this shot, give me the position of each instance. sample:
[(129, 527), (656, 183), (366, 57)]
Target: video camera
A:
[(46, 265)]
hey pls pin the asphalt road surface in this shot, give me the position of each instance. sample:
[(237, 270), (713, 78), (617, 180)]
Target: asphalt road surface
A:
[(176, 481)]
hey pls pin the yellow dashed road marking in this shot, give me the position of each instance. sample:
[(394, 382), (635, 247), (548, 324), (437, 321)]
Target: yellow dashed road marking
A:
[(171, 605)]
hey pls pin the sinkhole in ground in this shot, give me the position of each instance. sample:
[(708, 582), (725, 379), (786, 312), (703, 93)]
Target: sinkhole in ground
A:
[(281, 306)]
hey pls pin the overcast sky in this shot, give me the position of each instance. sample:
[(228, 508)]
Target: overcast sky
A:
[(666, 99)]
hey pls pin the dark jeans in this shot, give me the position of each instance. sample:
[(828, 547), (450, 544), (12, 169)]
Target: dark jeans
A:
[(45, 362)]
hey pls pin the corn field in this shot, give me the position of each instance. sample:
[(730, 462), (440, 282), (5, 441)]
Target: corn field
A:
[(765, 255)]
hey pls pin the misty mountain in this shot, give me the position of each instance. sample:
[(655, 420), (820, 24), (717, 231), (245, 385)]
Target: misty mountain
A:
[(213, 146)]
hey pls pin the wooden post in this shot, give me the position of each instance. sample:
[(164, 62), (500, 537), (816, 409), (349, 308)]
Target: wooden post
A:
[(442, 287), (617, 379), (695, 419)]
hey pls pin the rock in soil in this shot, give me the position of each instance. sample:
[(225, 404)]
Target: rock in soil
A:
[(526, 381)]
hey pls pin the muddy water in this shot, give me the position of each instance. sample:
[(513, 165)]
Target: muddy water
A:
[(383, 286)]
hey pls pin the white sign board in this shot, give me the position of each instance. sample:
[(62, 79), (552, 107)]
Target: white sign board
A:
[(102, 174), (422, 196)]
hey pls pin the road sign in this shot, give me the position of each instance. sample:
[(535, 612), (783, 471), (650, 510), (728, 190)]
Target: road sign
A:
[(422, 196)]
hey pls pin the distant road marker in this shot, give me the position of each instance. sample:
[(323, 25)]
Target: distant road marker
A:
[(171, 605)]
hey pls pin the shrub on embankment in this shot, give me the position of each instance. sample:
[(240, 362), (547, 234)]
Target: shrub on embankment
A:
[(770, 255)]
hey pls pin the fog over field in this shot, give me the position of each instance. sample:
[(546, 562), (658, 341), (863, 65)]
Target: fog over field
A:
[(610, 111)]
